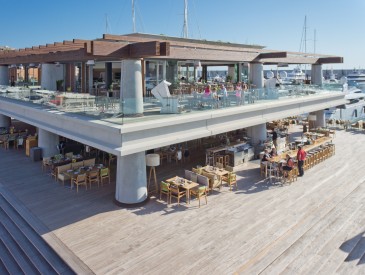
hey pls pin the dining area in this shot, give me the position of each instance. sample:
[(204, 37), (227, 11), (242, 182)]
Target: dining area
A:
[(75, 171), (197, 183), (317, 150)]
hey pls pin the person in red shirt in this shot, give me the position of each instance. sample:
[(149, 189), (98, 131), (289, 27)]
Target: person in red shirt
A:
[(301, 155)]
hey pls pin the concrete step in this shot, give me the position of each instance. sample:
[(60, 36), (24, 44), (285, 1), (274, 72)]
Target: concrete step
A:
[(29, 249), (3, 269), (7, 261), (44, 258), (16, 250)]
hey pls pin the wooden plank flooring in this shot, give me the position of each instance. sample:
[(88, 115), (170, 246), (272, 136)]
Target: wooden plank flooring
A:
[(315, 225)]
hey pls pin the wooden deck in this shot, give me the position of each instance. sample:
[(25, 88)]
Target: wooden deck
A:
[(315, 225)]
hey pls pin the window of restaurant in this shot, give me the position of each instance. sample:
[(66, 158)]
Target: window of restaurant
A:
[(158, 70)]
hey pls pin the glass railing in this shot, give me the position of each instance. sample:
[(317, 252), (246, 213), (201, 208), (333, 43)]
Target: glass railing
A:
[(121, 110)]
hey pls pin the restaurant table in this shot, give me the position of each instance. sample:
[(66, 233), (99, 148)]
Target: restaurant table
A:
[(217, 171), (187, 185)]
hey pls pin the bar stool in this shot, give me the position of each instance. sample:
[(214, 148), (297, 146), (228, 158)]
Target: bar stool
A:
[(227, 160), (219, 159)]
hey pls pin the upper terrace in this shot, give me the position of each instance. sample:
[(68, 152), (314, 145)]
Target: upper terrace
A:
[(110, 109)]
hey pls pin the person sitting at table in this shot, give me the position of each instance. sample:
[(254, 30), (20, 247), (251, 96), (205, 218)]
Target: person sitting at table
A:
[(266, 155), (273, 152), (207, 92), (214, 94), (288, 166), (223, 91)]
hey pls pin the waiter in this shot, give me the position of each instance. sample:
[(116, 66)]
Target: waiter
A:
[(301, 155)]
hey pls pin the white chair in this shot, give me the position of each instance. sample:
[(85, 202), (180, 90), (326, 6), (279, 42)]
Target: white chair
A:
[(170, 104)]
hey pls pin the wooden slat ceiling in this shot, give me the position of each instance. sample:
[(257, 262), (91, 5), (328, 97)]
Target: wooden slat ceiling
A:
[(117, 47)]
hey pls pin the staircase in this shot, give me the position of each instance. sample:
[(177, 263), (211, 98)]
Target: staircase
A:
[(22, 250)]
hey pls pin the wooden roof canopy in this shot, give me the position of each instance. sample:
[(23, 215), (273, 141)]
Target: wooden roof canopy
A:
[(117, 47)]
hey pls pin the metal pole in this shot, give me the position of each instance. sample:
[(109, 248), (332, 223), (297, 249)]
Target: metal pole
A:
[(133, 17), (185, 18)]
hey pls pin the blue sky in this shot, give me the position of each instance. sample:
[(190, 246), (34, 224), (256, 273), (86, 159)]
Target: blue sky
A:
[(339, 24)]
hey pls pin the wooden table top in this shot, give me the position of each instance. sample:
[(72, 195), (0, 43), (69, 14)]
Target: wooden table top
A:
[(186, 185), (217, 171)]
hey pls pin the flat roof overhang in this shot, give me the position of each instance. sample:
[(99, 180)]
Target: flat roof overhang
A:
[(117, 47)]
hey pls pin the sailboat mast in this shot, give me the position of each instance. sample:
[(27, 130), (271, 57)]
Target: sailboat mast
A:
[(315, 40), (305, 43), (185, 35), (133, 17)]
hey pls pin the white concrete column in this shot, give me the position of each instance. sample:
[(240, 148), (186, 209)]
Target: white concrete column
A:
[(4, 75), (5, 121), (316, 74), (257, 74), (131, 182), (48, 142), (320, 118), (257, 133), (131, 99), (231, 73), (50, 74)]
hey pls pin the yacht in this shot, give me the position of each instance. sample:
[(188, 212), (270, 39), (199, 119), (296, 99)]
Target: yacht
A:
[(353, 110), (332, 78), (296, 76), (356, 78)]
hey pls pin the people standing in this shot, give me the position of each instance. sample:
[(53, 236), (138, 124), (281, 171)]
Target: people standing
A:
[(275, 138), (301, 155), (305, 129)]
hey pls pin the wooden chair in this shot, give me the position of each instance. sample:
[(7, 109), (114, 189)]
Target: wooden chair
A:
[(226, 160), (200, 192), (291, 176), (219, 159), (176, 193), (112, 158), (11, 138), (104, 174), (3, 139), (80, 180), (54, 172), (46, 164), (63, 177), (197, 170), (20, 142), (231, 180), (92, 177), (219, 165), (164, 189), (263, 168)]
